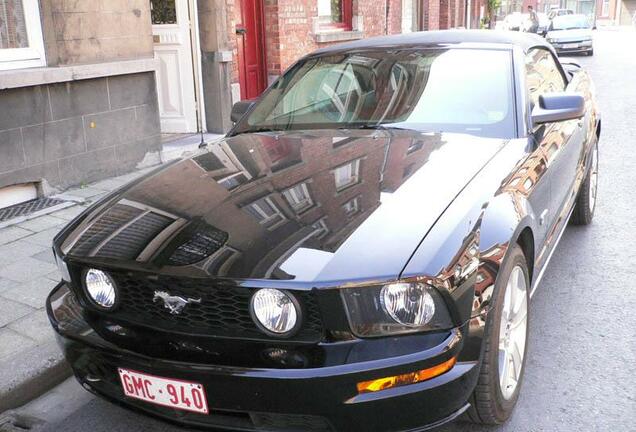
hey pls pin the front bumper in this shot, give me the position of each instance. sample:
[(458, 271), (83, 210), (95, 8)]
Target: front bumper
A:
[(254, 399), (572, 47)]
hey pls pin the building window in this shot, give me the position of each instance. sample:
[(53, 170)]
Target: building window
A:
[(266, 212), (163, 11), (21, 44), (351, 207), (298, 197), (221, 263), (335, 14), (605, 8), (347, 175), (233, 180), (321, 227), (415, 146)]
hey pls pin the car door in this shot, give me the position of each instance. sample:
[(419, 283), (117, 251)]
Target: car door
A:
[(559, 143)]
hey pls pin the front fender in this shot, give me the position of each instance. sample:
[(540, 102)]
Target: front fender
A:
[(462, 253), (508, 215)]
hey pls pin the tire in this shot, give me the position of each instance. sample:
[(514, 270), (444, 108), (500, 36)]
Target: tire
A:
[(586, 201), (489, 404)]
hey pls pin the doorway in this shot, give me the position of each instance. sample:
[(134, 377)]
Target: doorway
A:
[(251, 49), (172, 42)]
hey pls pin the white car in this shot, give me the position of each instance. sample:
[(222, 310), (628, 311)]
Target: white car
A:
[(514, 21), (571, 34)]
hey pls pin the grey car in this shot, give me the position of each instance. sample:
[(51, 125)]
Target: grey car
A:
[(571, 34)]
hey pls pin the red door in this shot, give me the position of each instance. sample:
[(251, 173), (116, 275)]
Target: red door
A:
[(251, 49)]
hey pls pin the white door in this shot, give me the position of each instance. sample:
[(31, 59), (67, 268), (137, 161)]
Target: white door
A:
[(175, 76)]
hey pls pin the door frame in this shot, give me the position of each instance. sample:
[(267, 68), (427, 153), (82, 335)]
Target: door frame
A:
[(241, 50), (194, 71), (197, 64)]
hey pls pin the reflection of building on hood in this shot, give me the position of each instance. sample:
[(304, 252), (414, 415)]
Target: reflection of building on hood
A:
[(250, 206)]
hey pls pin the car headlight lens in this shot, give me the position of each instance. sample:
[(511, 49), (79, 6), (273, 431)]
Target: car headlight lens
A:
[(275, 311), (407, 303), (395, 308), (101, 288)]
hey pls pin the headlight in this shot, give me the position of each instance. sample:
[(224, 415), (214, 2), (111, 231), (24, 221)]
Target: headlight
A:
[(275, 311), (395, 308), (100, 288), (407, 303)]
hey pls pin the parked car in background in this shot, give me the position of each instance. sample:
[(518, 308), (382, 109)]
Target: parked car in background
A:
[(513, 21), (559, 12), (570, 34), (357, 254)]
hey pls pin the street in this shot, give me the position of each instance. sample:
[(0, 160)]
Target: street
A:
[(580, 367)]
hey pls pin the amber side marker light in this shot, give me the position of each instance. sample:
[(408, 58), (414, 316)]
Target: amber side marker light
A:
[(405, 379)]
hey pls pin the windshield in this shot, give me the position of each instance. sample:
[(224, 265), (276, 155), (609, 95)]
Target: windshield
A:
[(570, 22), (440, 90)]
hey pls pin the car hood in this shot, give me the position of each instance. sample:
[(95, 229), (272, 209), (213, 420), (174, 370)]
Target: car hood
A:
[(569, 35), (266, 206)]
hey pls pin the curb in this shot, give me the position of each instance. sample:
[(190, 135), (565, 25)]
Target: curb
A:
[(29, 374)]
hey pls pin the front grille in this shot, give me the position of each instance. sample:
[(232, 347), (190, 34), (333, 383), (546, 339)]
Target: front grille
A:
[(223, 310)]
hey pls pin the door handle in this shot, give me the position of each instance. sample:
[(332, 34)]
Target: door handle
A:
[(241, 31)]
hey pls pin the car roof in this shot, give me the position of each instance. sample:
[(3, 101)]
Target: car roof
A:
[(458, 38)]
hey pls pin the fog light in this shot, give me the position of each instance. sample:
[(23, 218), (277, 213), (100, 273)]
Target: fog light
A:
[(100, 288), (405, 379), (275, 311)]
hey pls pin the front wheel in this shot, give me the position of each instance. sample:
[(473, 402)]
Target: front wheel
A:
[(586, 201), (506, 338)]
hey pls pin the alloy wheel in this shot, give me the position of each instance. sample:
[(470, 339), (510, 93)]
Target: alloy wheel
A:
[(512, 332), (593, 179)]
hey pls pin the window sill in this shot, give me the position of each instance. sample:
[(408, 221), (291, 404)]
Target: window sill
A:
[(16, 78), (336, 35)]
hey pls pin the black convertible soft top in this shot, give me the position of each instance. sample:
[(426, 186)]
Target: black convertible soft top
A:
[(442, 38)]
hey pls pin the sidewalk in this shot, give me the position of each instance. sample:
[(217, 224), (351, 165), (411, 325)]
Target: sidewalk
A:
[(30, 361)]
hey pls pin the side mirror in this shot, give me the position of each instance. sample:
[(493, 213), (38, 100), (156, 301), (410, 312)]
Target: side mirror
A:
[(556, 107), (240, 108)]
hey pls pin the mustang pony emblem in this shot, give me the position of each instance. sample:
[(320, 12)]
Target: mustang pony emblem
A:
[(174, 304)]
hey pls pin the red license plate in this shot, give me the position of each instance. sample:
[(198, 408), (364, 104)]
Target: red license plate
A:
[(173, 393)]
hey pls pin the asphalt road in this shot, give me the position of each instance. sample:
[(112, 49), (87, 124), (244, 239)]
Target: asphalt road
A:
[(581, 369)]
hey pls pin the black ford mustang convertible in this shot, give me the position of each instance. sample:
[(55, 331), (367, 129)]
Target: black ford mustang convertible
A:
[(358, 253)]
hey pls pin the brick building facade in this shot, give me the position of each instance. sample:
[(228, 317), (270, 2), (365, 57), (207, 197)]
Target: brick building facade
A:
[(262, 38), (87, 87)]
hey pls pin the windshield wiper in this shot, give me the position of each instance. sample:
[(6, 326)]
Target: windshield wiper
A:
[(371, 126), (260, 129)]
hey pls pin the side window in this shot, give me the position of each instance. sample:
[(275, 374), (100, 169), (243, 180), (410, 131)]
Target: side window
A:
[(542, 74)]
